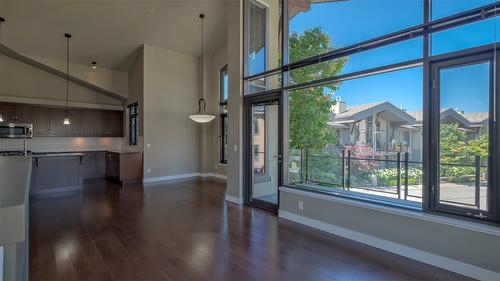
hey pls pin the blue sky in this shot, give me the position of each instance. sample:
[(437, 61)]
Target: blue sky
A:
[(348, 22)]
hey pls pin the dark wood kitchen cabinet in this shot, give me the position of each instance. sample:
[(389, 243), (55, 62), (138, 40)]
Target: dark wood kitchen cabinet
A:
[(41, 121), (48, 121), (109, 123), (57, 128), (12, 113), (124, 167), (87, 123), (74, 129), (94, 165)]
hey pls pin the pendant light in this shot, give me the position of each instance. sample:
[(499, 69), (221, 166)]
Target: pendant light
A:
[(2, 20), (66, 119), (202, 116)]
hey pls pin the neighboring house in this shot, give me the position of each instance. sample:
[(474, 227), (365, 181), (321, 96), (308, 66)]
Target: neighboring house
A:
[(387, 128)]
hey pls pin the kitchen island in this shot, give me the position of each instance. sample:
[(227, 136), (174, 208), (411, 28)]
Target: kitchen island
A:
[(56, 172), (14, 189)]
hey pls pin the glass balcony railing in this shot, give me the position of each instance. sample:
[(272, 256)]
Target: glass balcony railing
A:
[(391, 175)]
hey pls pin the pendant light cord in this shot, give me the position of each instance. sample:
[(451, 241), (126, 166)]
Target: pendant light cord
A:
[(202, 16), (68, 36)]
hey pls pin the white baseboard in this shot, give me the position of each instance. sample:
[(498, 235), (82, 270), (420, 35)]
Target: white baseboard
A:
[(213, 175), (234, 199), (172, 177), (412, 253), (183, 176)]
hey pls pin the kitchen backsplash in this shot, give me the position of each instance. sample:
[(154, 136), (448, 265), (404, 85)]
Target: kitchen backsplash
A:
[(62, 144)]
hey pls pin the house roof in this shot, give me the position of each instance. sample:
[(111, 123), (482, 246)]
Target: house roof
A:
[(386, 110), (473, 118), (389, 112)]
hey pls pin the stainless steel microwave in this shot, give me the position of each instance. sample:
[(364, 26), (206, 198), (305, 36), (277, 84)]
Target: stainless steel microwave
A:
[(16, 130)]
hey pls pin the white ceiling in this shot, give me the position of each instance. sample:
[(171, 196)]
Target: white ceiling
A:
[(109, 32)]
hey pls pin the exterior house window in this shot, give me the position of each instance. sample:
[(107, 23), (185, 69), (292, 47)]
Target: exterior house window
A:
[(413, 88), (223, 88), (133, 125)]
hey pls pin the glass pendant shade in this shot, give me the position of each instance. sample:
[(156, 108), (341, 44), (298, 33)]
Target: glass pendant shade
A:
[(202, 116), (66, 121)]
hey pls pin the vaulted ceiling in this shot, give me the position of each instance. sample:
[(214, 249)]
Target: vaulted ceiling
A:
[(109, 32)]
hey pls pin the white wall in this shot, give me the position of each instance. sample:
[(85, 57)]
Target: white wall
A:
[(211, 132), (111, 80), (171, 92), (235, 103), (136, 94), (21, 82)]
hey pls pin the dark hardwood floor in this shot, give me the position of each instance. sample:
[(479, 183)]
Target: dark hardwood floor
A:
[(184, 230)]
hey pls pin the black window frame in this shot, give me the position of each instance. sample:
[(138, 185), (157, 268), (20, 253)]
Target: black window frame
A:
[(223, 116), (133, 118), (426, 29), (468, 57)]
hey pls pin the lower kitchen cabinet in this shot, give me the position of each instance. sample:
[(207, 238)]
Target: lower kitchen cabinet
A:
[(124, 167), (94, 165)]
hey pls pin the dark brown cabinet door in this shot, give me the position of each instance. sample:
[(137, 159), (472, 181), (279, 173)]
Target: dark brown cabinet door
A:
[(41, 121), (24, 114), (113, 165), (75, 119), (99, 128), (87, 123), (100, 164), (15, 113), (8, 113), (57, 128), (115, 124), (88, 165)]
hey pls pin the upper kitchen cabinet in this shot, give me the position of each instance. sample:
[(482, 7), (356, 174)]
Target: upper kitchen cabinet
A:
[(109, 123), (57, 128), (14, 113), (74, 129), (41, 121), (48, 121), (87, 123)]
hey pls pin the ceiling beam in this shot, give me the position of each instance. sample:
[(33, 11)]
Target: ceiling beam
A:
[(17, 56)]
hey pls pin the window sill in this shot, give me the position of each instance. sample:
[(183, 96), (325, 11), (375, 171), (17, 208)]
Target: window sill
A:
[(396, 210)]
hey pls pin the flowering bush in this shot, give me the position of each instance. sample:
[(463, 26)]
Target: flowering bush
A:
[(458, 174), (389, 177)]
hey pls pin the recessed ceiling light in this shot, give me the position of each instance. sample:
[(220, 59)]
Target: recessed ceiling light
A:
[(152, 11)]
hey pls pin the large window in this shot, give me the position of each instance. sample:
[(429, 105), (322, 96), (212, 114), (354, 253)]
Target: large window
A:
[(344, 23), (390, 102), (224, 93)]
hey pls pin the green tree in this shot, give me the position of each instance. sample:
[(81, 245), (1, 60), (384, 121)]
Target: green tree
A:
[(310, 108), (453, 149), (480, 146)]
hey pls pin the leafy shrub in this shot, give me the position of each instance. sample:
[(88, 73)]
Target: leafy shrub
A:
[(458, 174), (389, 177)]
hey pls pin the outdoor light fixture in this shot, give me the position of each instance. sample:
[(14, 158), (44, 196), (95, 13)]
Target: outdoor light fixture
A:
[(66, 119), (93, 66), (202, 116)]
